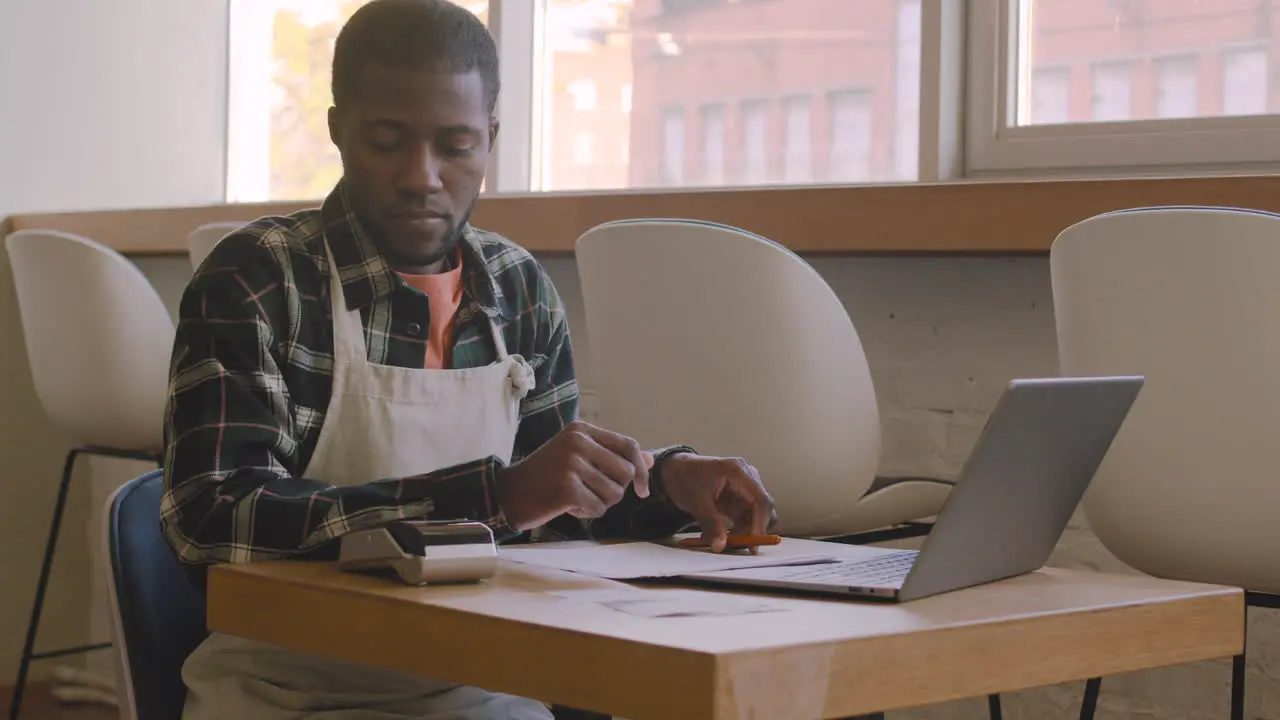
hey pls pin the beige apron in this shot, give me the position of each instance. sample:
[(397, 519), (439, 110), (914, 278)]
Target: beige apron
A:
[(382, 422)]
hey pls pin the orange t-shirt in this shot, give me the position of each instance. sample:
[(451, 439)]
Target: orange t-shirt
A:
[(444, 294)]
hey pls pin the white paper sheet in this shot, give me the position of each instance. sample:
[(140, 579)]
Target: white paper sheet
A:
[(636, 560), (672, 603)]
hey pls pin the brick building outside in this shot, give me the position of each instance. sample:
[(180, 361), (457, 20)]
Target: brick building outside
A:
[(666, 93)]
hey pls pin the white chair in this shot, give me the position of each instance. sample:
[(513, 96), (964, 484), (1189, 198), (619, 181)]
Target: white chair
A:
[(201, 241), (98, 340), (707, 335), (1187, 297)]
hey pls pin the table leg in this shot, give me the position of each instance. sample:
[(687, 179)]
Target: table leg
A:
[(1237, 687), (1090, 703)]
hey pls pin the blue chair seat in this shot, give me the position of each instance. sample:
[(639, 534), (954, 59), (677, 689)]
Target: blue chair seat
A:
[(158, 612)]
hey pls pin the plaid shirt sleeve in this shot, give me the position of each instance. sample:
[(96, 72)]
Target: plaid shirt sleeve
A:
[(233, 488)]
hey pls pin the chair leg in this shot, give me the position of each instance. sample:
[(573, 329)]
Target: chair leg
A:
[(1090, 703), (28, 648), (994, 710), (1237, 687)]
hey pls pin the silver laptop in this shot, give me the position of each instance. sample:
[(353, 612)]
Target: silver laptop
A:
[(1032, 464)]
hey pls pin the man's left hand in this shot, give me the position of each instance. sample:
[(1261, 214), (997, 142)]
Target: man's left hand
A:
[(724, 495)]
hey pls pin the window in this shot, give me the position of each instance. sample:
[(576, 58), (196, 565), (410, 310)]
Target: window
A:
[(1176, 86), (582, 44), (583, 148), (673, 147), (1050, 96), (584, 94), (906, 92), (981, 88), (280, 53), (797, 162), (610, 69), (683, 53), (755, 142), (1244, 82), (712, 117), (851, 137), (1154, 95), (673, 7), (1112, 85)]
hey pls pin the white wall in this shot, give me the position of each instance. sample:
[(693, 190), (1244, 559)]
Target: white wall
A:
[(105, 104)]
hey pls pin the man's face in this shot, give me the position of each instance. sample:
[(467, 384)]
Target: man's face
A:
[(414, 147)]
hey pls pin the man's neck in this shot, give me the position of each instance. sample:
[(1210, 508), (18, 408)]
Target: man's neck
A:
[(434, 268), (450, 261)]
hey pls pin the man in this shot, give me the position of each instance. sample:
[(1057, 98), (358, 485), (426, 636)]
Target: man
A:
[(378, 358)]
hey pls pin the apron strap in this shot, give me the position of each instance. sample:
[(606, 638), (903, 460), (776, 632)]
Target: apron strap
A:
[(348, 330), (519, 371), (499, 342)]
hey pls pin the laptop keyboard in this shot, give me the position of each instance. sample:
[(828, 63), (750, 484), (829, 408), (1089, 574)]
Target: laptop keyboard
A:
[(889, 570)]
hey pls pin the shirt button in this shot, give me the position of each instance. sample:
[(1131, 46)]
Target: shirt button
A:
[(414, 329)]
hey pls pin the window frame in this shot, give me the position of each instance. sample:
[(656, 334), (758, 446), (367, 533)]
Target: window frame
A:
[(997, 147)]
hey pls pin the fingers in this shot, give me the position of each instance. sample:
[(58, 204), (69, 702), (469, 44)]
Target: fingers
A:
[(586, 500), (634, 467), (602, 487), (715, 530), (763, 512), (599, 476), (753, 510)]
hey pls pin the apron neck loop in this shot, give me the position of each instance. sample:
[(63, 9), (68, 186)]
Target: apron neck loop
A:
[(499, 342)]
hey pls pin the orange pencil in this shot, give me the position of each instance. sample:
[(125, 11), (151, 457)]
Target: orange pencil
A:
[(735, 541)]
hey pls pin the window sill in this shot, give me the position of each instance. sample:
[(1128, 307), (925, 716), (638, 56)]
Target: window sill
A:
[(982, 217)]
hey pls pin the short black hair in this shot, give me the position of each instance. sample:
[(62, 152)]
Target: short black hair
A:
[(434, 35)]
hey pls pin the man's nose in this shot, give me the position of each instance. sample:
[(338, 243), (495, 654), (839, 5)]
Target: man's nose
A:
[(420, 173)]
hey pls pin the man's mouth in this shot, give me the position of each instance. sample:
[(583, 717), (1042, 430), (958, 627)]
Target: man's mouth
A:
[(420, 215)]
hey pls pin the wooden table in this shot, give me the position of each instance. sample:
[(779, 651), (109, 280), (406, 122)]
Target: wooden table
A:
[(808, 659)]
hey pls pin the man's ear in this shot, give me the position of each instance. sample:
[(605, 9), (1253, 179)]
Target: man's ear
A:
[(493, 131), (335, 127)]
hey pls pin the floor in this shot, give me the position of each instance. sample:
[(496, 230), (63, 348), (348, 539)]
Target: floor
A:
[(38, 704)]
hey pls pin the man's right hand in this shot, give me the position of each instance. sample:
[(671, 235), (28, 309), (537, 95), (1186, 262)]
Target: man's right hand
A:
[(583, 471)]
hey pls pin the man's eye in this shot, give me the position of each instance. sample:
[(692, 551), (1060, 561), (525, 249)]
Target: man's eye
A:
[(384, 143), (454, 151)]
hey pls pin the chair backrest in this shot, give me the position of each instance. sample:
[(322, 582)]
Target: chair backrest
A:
[(158, 613), (201, 241), (710, 336), (98, 338), (1186, 297)]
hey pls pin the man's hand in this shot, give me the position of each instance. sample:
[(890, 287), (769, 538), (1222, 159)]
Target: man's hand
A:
[(724, 495), (583, 471)]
